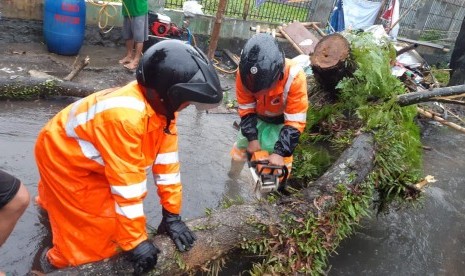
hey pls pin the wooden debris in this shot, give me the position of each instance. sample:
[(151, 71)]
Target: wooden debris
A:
[(440, 119), (300, 36), (428, 179), (280, 28), (320, 31), (77, 67), (273, 31), (232, 56)]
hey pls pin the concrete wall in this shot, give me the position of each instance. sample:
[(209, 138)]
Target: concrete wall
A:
[(108, 14), (104, 21)]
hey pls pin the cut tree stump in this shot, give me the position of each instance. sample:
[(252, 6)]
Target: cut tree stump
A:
[(329, 60)]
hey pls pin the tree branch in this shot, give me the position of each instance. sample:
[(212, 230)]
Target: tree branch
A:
[(428, 95)]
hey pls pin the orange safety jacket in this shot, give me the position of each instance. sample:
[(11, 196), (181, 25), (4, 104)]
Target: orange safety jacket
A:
[(92, 159), (288, 97), (286, 102)]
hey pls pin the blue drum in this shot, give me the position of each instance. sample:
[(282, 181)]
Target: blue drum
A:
[(64, 26)]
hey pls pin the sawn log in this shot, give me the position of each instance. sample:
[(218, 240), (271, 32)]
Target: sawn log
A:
[(26, 88)]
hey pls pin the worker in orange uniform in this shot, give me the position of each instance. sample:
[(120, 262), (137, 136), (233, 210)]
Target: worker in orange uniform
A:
[(272, 96), (92, 159)]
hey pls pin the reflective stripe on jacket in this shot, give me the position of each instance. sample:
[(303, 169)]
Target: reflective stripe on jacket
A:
[(110, 138), (288, 97)]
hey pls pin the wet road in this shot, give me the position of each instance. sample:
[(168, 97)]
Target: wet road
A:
[(426, 241)]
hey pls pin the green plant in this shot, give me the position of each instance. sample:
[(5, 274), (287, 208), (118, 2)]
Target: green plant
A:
[(441, 75), (366, 103), (430, 35)]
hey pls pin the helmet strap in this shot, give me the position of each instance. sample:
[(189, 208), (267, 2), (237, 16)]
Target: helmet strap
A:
[(161, 106)]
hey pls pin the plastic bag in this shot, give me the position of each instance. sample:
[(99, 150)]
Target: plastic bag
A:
[(268, 135), (192, 8)]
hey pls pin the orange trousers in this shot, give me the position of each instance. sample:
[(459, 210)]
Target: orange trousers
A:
[(80, 208)]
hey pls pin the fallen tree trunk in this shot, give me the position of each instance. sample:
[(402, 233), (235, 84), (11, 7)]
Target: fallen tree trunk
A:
[(429, 95), (25, 88), (226, 229)]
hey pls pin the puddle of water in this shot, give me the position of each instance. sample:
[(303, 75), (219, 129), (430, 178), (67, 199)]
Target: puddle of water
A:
[(205, 141)]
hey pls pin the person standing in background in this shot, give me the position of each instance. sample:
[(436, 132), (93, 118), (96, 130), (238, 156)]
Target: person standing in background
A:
[(135, 31)]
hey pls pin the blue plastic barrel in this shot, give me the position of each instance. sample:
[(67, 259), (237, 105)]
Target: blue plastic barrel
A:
[(64, 26)]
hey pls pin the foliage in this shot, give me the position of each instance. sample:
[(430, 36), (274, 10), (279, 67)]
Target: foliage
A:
[(304, 244), (371, 94), (430, 35), (366, 102)]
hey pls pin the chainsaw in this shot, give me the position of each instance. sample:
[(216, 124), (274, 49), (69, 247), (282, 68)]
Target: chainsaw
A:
[(267, 178)]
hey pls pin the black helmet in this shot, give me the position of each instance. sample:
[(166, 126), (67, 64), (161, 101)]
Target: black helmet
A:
[(262, 62), (179, 73)]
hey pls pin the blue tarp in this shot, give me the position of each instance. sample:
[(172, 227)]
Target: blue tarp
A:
[(337, 18)]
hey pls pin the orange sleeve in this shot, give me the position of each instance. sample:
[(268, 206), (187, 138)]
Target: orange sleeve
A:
[(166, 171), (295, 113), (119, 143), (245, 100)]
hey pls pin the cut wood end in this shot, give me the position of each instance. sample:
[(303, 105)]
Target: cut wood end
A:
[(330, 50), (428, 179)]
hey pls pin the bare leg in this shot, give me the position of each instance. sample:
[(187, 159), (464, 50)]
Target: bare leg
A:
[(129, 52), (236, 168), (11, 212), (137, 54)]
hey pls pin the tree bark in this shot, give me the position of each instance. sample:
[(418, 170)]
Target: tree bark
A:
[(226, 229), (36, 88), (216, 28), (429, 95), (329, 60)]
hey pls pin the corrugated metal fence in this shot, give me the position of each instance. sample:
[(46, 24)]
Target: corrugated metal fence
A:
[(436, 21)]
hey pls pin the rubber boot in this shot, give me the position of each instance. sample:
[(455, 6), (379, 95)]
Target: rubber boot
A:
[(236, 168)]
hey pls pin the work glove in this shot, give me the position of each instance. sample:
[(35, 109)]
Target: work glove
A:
[(181, 235), (144, 257)]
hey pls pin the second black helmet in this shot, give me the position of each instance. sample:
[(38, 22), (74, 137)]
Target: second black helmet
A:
[(261, 63)]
